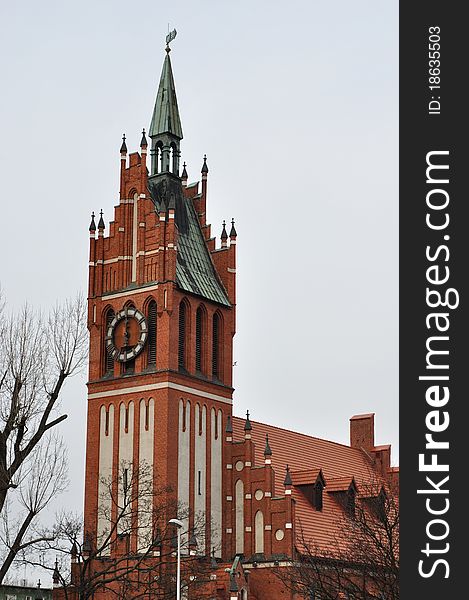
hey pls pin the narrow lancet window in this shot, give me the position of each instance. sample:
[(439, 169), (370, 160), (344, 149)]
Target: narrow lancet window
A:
[(199, 339), (108, 360), (182, 337), (216, 346), (152, 333)]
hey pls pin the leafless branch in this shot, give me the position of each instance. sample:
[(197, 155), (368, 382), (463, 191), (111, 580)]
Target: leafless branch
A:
[(37, 355), (362, 560)]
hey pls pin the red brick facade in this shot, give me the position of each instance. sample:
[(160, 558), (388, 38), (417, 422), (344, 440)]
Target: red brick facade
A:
[(132, 263)]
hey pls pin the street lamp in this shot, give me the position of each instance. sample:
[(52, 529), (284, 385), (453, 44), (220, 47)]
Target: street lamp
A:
[(179, 524)]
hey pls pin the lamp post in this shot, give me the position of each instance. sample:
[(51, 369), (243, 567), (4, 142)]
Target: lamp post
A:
[(179, 524)]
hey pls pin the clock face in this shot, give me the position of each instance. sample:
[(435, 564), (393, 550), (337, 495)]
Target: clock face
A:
[(126, 334)]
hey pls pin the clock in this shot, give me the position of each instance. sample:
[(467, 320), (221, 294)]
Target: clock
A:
[(126, 334)]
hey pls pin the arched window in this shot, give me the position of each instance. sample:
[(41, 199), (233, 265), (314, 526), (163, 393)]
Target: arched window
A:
[(108, 360), (182, 336), (199, 339), (174, 161), (158, 157), (216, 331), (152, 333)]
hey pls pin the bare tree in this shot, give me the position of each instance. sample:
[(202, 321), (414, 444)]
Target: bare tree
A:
[(134, 551), (37, 355), (362, 561)]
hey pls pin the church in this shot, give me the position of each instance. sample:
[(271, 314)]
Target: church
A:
[(162, 318)]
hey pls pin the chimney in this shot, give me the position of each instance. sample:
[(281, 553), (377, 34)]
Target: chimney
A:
[(362, 432)]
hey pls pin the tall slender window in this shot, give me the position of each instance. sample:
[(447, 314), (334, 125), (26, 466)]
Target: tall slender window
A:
[(317, 495), (158, 158), (152, 333), (350, 502), (199, 325), (182, 336), (173, 167), (108, 360), (216, 346)]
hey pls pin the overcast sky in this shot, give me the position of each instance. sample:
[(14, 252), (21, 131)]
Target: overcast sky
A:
[(296, 106)]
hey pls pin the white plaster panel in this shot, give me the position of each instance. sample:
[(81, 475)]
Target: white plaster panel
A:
[(239, 521), (259, 532), (200, 463), (106, 440), (145, 461), (184, 441), (216, 481), (126, 450)]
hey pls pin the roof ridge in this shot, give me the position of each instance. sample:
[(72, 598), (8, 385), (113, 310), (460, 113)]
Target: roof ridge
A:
[(302, 434)]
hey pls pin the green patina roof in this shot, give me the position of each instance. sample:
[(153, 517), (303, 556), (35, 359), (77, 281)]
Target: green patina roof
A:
[(195, 272), (166, 113)]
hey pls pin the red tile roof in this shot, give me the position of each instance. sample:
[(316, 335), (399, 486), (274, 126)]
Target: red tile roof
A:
[(341, 484), (306, 455), (304, 452), (305, 477)]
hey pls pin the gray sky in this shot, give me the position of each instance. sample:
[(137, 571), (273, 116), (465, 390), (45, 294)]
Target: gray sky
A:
[(296, 106)]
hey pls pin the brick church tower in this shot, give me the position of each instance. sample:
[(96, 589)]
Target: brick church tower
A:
[(161, 316)]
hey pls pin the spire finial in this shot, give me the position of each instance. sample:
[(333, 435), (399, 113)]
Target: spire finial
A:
[(123, 149), (287, 481), (101, 220), (233, 233), (267, 450), (224, 235), (92, 224), (204, 170), (229, 425), (184, 172), (169, 38), (143, 142), (56, 574), (247, 424)]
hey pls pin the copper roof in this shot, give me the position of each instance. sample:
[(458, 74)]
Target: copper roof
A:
[(165, 117)]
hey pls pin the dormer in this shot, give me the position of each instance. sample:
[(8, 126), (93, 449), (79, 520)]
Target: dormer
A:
[(311, 482), (375, 497), (345, 491)]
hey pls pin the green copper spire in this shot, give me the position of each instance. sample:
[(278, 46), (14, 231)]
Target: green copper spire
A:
[(166, 113), (195, 271), (165, 129)]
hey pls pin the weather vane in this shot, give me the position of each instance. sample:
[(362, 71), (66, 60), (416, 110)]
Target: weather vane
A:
[(170, 37)]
